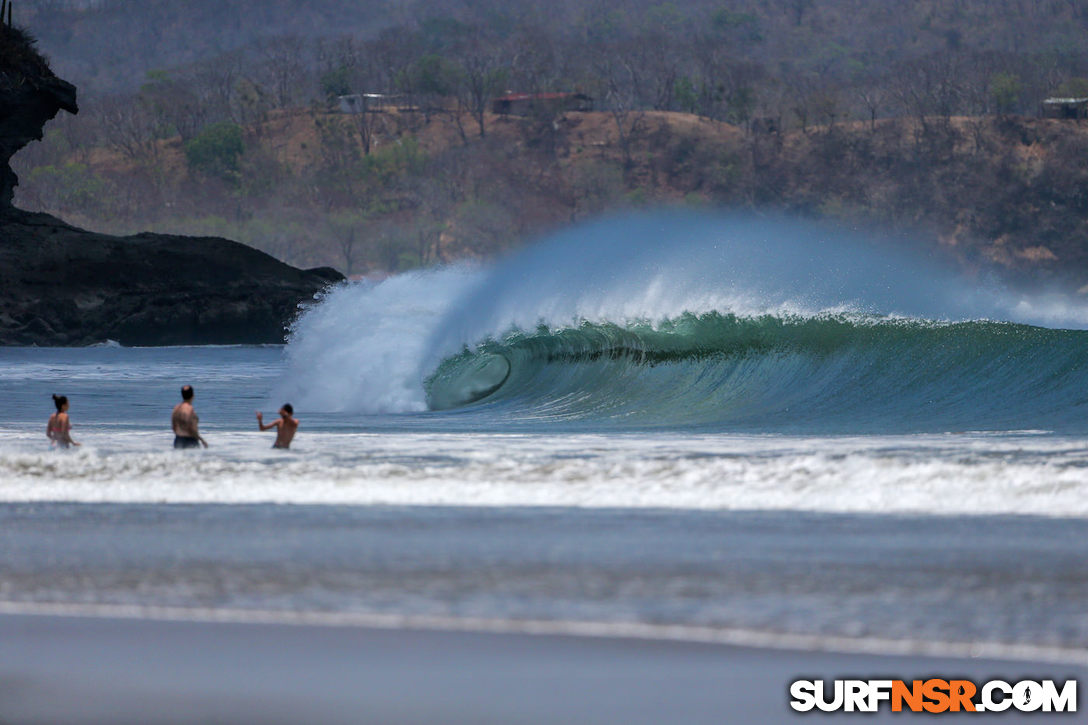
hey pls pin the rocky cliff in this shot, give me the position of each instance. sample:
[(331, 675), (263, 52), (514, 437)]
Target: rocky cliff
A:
[(30, 95), (60, 285)]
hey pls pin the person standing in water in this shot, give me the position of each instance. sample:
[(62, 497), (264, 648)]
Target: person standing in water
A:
[(59, 427), (185, 422), (285, 427)]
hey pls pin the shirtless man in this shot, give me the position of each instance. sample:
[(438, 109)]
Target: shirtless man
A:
[(185, 422), (285, 427)]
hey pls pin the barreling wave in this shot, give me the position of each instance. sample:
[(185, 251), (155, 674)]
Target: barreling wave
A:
[(841, 372), (665, 320)]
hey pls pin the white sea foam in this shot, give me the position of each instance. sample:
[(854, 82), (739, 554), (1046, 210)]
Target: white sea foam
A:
[(361, 348), (931, 474)]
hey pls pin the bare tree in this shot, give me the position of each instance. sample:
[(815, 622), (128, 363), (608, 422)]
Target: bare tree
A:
[(872, 98), (218, 85), (617, 87), (284, 66), (483, 74), (129, 128), (797, 9), (177, 104), (929, 87), (348, 230)]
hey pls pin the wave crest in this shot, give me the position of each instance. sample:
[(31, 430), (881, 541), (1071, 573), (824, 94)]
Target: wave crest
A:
[(772, 373)]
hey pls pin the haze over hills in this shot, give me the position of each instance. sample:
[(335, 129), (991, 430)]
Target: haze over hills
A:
[(222, 118), (109, 45)]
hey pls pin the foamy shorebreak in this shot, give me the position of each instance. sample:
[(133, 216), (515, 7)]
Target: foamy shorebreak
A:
[(972, 473)]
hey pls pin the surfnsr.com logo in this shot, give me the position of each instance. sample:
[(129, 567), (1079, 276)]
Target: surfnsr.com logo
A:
[(933, 696)]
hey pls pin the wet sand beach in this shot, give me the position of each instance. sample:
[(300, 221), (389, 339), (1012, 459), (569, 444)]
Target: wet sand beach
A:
[(92, 670), (122, 613)]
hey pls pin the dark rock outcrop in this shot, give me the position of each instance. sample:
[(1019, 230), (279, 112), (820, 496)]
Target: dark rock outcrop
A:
[(60, 285), (30, 96)]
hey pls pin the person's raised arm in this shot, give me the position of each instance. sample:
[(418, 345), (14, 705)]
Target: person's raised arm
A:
[(262, 426)]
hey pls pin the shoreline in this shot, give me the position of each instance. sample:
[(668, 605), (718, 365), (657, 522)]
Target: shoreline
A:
[(83, 670), (720, 576), (602, 630)]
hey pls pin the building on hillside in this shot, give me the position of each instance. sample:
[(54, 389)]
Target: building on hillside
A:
[(527, 104), (372, 103), (1065, 108)]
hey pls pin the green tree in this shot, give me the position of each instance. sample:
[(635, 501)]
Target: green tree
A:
[(336, 82), (1005, 91), (430, 75), (686, 94), (69, 188), (216, 150), (739, 105)]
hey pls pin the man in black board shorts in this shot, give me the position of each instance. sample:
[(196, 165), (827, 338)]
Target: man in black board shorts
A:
[(185, 422)]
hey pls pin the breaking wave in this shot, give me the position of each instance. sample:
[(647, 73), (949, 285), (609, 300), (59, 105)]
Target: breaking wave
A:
[(735, 323)]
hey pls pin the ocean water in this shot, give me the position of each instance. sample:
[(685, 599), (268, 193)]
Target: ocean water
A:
[(677, 374)]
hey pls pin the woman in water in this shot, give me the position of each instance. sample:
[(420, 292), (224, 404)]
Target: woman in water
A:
[(59, 428)]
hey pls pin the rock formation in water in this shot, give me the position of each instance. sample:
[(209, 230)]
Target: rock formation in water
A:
[(60, 285)]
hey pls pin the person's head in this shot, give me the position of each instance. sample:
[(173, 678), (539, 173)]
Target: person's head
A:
[(286, 410), (61, 401), (187, 393)]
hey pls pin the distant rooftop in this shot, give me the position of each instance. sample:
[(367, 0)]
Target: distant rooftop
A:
[(511, 96), (1064, 101)]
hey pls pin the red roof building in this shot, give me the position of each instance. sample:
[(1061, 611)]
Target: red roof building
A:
[(527, 104)]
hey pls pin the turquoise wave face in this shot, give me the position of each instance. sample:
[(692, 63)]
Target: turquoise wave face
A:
[(821, 374)]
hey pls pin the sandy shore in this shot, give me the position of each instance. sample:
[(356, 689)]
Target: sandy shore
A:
[(269, 615), (83, 670)]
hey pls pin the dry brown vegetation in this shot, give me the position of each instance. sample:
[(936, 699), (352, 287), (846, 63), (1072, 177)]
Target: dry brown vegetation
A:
[(1006, 191), (917, 118)]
